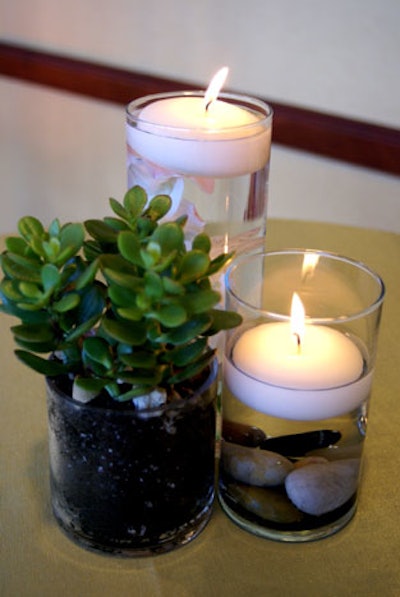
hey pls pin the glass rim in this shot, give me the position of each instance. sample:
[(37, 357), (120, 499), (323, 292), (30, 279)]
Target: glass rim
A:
[(264, 110), (244, 257)]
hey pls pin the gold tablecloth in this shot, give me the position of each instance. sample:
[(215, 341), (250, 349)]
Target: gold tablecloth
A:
[(38, 560)]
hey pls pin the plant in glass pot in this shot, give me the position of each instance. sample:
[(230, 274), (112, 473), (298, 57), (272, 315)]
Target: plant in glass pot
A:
[(125, 309)]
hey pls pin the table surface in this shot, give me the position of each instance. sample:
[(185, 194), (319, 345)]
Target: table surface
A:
[(37, 559)]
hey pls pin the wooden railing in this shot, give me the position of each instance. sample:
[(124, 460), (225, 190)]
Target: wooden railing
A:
[(344, 139)]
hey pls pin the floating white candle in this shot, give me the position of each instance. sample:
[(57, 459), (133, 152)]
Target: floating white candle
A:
[(306, 376), (200, 135)]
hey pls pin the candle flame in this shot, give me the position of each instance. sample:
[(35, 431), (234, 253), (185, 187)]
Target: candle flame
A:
[(310, 262), (215, 86), (297, 319)]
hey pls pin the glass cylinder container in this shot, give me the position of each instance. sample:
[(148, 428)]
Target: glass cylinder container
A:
[(297, 379), (132, 482), (212, 159)]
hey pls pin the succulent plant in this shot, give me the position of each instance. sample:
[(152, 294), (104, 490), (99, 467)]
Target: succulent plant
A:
[(121, 304)]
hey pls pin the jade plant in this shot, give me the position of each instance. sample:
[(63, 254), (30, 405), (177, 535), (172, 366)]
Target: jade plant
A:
[(123, 306)]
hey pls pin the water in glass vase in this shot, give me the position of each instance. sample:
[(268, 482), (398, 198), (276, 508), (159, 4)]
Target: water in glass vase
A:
[(286, 479), (231, 210)]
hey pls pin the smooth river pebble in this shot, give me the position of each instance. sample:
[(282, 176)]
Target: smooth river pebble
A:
[(322, 487), (254, 466)]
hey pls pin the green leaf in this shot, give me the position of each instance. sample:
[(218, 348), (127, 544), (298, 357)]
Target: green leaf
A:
[(194, 265), (218, 263), (183, 355), (120, 296), (40, 365), (170, 237), (133, 283), (71, 241), (30, 227), (129, 247), (50, 277), (16, 267), (223, 320), (158, 207), (200, 301), (30, 291), (139, 358), (14, 244), (131, 313), (67, 303), (153, 286), (189, 330), (202, 242), (33, 333), (172, 287), (88, 275), (193, 369), (78, 331), (135, 200), (171, 316), (118, 209), (101, 231), (123, 332), (98, 351)]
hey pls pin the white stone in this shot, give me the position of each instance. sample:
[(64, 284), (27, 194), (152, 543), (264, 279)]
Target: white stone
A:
[(319, 488), (253, 466)]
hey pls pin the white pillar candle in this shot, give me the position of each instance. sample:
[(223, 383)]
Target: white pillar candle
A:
[(199, 135), (319, 377)]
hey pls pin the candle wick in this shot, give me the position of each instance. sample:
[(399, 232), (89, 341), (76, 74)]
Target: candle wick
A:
[(208, 104), (298, 341)]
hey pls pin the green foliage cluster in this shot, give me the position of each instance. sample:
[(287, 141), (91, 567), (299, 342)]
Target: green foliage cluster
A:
[(121, 302)]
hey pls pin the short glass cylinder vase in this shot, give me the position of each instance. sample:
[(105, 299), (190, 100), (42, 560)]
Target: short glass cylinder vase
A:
[(132, 482), (212, 160), (297, 378)]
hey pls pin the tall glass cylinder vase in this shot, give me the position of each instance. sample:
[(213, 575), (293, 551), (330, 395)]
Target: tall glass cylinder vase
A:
[(213, 160)]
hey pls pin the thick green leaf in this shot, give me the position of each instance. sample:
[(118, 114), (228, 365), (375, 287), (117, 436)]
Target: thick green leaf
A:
[(218, 263), (88, 275), (120, 296), (134, 201), (71, 241), (43, 366), (170, 237), (101, 231), (30, 291), (183, 355), (19, 271), (171, 315), (200, 301), (133, 283), (80, 330), (193, 369), (153, 285), (33, 333), (158, 207), (202, 242), (172, 287), (189, 330), (131, 313), (223, 320), (129, 247), (50, 277), (15, 244), (134, 334), (30, 227), (98, 351), (194, 265), (118, 209), (67, 303), (139, 358)]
